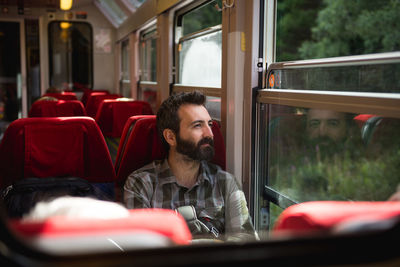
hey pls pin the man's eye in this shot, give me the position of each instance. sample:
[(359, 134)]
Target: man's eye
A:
[(314, 124), (334, 123)]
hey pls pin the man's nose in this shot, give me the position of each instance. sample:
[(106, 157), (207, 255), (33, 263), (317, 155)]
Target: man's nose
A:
[(323, 130), (208, 131)]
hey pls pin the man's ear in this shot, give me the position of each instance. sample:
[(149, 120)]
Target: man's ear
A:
[(170, 137)]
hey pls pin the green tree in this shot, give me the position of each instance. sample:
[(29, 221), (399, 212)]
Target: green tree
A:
[(295, 18), (353, 28)]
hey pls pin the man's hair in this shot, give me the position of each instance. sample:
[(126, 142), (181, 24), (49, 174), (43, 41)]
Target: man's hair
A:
[(167, 115)]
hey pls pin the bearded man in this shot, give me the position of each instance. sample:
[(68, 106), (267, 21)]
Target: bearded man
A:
[(209, 198)]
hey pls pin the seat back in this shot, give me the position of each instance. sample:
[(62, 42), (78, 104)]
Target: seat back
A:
[(322, 216), (60, 108), (63, 95), (144, 223), (143, 145), (130, 123), (54, 147), (113, 114), (88, 92), (94, 101)]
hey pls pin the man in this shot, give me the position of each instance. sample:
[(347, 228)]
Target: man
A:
[(328, 130), (186, 178), (326, 125)]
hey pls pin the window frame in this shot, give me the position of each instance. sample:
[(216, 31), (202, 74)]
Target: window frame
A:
[(385, 104)]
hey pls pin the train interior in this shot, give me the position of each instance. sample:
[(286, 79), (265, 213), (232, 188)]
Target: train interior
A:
[(79, 93)]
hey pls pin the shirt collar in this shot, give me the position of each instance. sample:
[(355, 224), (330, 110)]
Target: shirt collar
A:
[(166, 176)]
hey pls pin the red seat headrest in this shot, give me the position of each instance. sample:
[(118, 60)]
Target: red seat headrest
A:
[(88, 92), (54, 146), (94, 101), (60, 108), (63, 95), (162, 221), (314, 216), (113, 114)]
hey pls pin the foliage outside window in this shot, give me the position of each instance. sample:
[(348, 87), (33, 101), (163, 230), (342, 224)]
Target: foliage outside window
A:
[(309, 29)]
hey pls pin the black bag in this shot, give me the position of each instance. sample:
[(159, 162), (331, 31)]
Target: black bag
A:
[(23, 195)]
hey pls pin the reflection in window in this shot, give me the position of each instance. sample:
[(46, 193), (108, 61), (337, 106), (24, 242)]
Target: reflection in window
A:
[(70, 55), (316, 154), (198, 19), (112, 11), (319, 29), (200, 60), (382, 78), (213, 105), (148, 56)]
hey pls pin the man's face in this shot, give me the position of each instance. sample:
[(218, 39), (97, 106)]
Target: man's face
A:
[(195, 138), (326, 127)]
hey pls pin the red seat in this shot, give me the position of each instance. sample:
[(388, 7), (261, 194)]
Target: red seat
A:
[(113, 114), (317, 216), (94, 101), (60, 108), (125, 134), (88, 92), (63, 95), (162, 222), (143, 145), (57, 147)]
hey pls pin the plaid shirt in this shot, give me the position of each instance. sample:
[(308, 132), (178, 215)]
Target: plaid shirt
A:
[(215, 195)]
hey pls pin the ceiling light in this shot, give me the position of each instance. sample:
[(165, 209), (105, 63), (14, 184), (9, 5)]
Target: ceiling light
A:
[(65, 4)]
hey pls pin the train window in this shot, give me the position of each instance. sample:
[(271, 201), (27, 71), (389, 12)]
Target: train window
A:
[(112, 11), (133, 4), (320, 29), (198, 35), (147, 90), (206, 16), (32, 60), (70, 54), (200, 59), (148, 56), (125, 83), (382, 78), (324, 154), (199, 45), (329, 118)]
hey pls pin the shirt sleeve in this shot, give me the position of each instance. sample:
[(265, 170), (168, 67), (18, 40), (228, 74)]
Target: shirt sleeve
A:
[(138, 191), (238, 224)]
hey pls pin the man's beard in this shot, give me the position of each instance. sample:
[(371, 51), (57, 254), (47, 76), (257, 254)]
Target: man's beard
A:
[(327, 146), (196, 152)]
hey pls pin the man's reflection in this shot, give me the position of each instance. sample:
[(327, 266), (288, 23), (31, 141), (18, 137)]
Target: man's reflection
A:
[(327, 129)]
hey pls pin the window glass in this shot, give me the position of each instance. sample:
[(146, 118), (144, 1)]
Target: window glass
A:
[(322, 154), (383, 78), (125, 70), (70, 46), (134, 3), (200, 60), (213, 105), (148, 56), (318, 29), (113, 11), (149, 95), (204, 17)]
